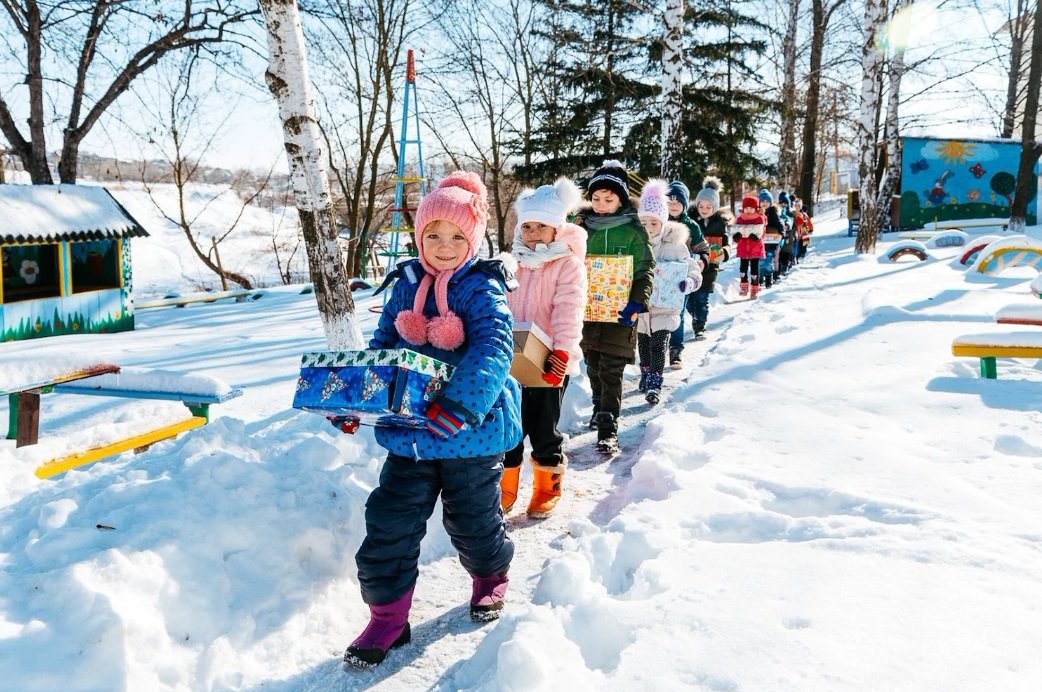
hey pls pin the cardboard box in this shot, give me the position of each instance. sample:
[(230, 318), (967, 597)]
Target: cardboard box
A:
[(386, 387), (531, 349), (610, 278), (667, 293)]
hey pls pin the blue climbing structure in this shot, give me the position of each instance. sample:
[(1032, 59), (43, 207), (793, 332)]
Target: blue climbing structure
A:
[(402, 206)]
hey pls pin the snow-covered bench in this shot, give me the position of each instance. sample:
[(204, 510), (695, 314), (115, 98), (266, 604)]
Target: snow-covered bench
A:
[(197, 392), (209, 297), (988, 347), (1020, 313), (993, 222), (24, 387)]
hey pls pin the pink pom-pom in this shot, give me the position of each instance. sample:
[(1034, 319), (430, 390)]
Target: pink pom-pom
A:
[(446, 332), (471, 182), (412, 326)]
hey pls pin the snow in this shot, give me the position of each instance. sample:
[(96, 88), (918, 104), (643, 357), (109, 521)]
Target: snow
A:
[(1025, 313), (157, 381), (58, 212), (826, 499)]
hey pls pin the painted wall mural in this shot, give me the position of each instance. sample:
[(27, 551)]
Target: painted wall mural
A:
[(944, 179)]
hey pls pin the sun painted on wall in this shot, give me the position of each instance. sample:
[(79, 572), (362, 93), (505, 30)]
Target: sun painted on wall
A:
[(955, 151)]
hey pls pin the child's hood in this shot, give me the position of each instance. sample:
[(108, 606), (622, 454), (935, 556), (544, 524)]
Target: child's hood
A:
[(671, 243), (574, 237)]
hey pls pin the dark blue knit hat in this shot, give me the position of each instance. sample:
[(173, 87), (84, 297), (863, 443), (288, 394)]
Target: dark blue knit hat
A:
[(678, 191), (783, 197), (765, 194)]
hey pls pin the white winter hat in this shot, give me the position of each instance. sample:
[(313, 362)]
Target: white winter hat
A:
[(653, 200), (548, 204)]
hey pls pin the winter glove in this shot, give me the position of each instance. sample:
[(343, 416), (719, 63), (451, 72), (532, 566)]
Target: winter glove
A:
[(687, 285), (442, 422), (555, 367), (629, 313), (344, 424), (736, 237), (753, 237)]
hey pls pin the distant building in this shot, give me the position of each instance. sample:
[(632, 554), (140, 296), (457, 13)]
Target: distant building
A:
[(65, 266)]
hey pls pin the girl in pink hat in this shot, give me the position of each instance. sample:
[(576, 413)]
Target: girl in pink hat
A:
[(548, 261), (452, 306)]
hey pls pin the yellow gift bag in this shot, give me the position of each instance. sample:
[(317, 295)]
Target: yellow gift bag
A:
[(610, 278)]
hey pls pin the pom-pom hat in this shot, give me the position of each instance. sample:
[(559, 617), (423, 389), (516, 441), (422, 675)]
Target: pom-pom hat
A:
[(783, 197), (653, 201), (678, 191), (548, 204), (610, 176), (461, 199), (710, 192)]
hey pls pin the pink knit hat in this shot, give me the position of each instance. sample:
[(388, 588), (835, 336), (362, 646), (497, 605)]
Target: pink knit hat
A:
[(461, 199)]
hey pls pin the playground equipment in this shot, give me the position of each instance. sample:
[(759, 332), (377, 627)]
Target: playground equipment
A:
[(401, 207), (1016, 251), (905, 248)]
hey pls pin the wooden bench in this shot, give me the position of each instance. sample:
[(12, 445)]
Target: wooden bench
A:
[(24, 398), (181, 301), (988, 347), (1021, 313), (967, 223), (196, 392)]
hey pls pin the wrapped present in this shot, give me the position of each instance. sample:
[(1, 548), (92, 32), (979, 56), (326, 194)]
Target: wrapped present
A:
[(717, 251), (772, 238), (748, 229), (531, 349), (387, 387), (667, 293), (610, 279)]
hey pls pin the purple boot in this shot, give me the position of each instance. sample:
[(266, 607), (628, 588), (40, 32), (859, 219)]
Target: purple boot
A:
[(488, 596), (388, 628)]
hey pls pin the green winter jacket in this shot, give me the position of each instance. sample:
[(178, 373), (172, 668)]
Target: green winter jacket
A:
[(627, 237)]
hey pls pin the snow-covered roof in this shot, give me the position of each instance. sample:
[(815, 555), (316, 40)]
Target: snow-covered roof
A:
[(50, 213)]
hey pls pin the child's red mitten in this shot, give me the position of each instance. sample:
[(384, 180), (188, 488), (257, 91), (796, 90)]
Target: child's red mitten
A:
[(556, 364)]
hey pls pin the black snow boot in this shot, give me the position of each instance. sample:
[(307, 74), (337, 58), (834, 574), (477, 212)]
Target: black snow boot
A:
[(607, 433), (699, 326)]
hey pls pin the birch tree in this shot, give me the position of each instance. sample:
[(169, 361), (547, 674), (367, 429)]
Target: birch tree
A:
[(287, 78), (1031, 149), (892, 129), (871, 76), (672, 89)]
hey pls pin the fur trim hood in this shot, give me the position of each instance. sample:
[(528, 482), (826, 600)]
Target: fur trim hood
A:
[(671, 243)]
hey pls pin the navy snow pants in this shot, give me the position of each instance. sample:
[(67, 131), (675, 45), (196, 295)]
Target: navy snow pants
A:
[(396, 516)]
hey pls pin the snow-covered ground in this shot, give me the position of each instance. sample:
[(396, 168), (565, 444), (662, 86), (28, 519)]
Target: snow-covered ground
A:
[(827, 499)]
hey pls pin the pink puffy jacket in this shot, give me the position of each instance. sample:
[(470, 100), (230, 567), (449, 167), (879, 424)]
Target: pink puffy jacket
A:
[(553, 294)]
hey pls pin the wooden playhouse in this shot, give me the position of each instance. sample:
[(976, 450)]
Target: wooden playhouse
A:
[(65, 261)]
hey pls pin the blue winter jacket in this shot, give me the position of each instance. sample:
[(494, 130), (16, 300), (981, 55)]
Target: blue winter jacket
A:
[(481, 389)]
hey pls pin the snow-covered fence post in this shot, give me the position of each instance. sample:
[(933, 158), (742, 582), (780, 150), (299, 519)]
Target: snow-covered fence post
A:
[(673, 90), (871, 78), (288, 81)]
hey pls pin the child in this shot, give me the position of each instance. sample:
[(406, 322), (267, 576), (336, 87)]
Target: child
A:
[(668, 243), (453, 307), (787, 249), (803, 226), (714, 230), (772, 238), (678, 195), (551, 274), (749, 228), (613, 229)]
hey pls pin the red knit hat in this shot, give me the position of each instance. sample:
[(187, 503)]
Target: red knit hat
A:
[(461, 199), (750, 201)]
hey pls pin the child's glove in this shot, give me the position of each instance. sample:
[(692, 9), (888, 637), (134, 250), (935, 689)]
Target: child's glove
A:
[(687, 285), (736, 237), (344, 424), (629, 313), (443, 422), (753, 237), (555, 367)]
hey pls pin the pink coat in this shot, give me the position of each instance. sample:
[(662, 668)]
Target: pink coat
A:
[(552, 289)]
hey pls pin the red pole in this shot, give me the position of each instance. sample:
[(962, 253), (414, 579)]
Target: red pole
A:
[(410, 68)]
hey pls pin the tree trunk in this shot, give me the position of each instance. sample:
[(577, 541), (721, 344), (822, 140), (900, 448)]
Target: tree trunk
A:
[(810, 120), (1030, 149), (787, 151), (1017, 33), (672, 90), (892, 174), (39, 171), (871, 76), (288, 81)]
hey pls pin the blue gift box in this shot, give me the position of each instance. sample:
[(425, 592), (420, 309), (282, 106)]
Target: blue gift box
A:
[(388, 387)]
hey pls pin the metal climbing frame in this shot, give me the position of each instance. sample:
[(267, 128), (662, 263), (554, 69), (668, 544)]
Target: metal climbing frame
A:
[(401, 207)]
